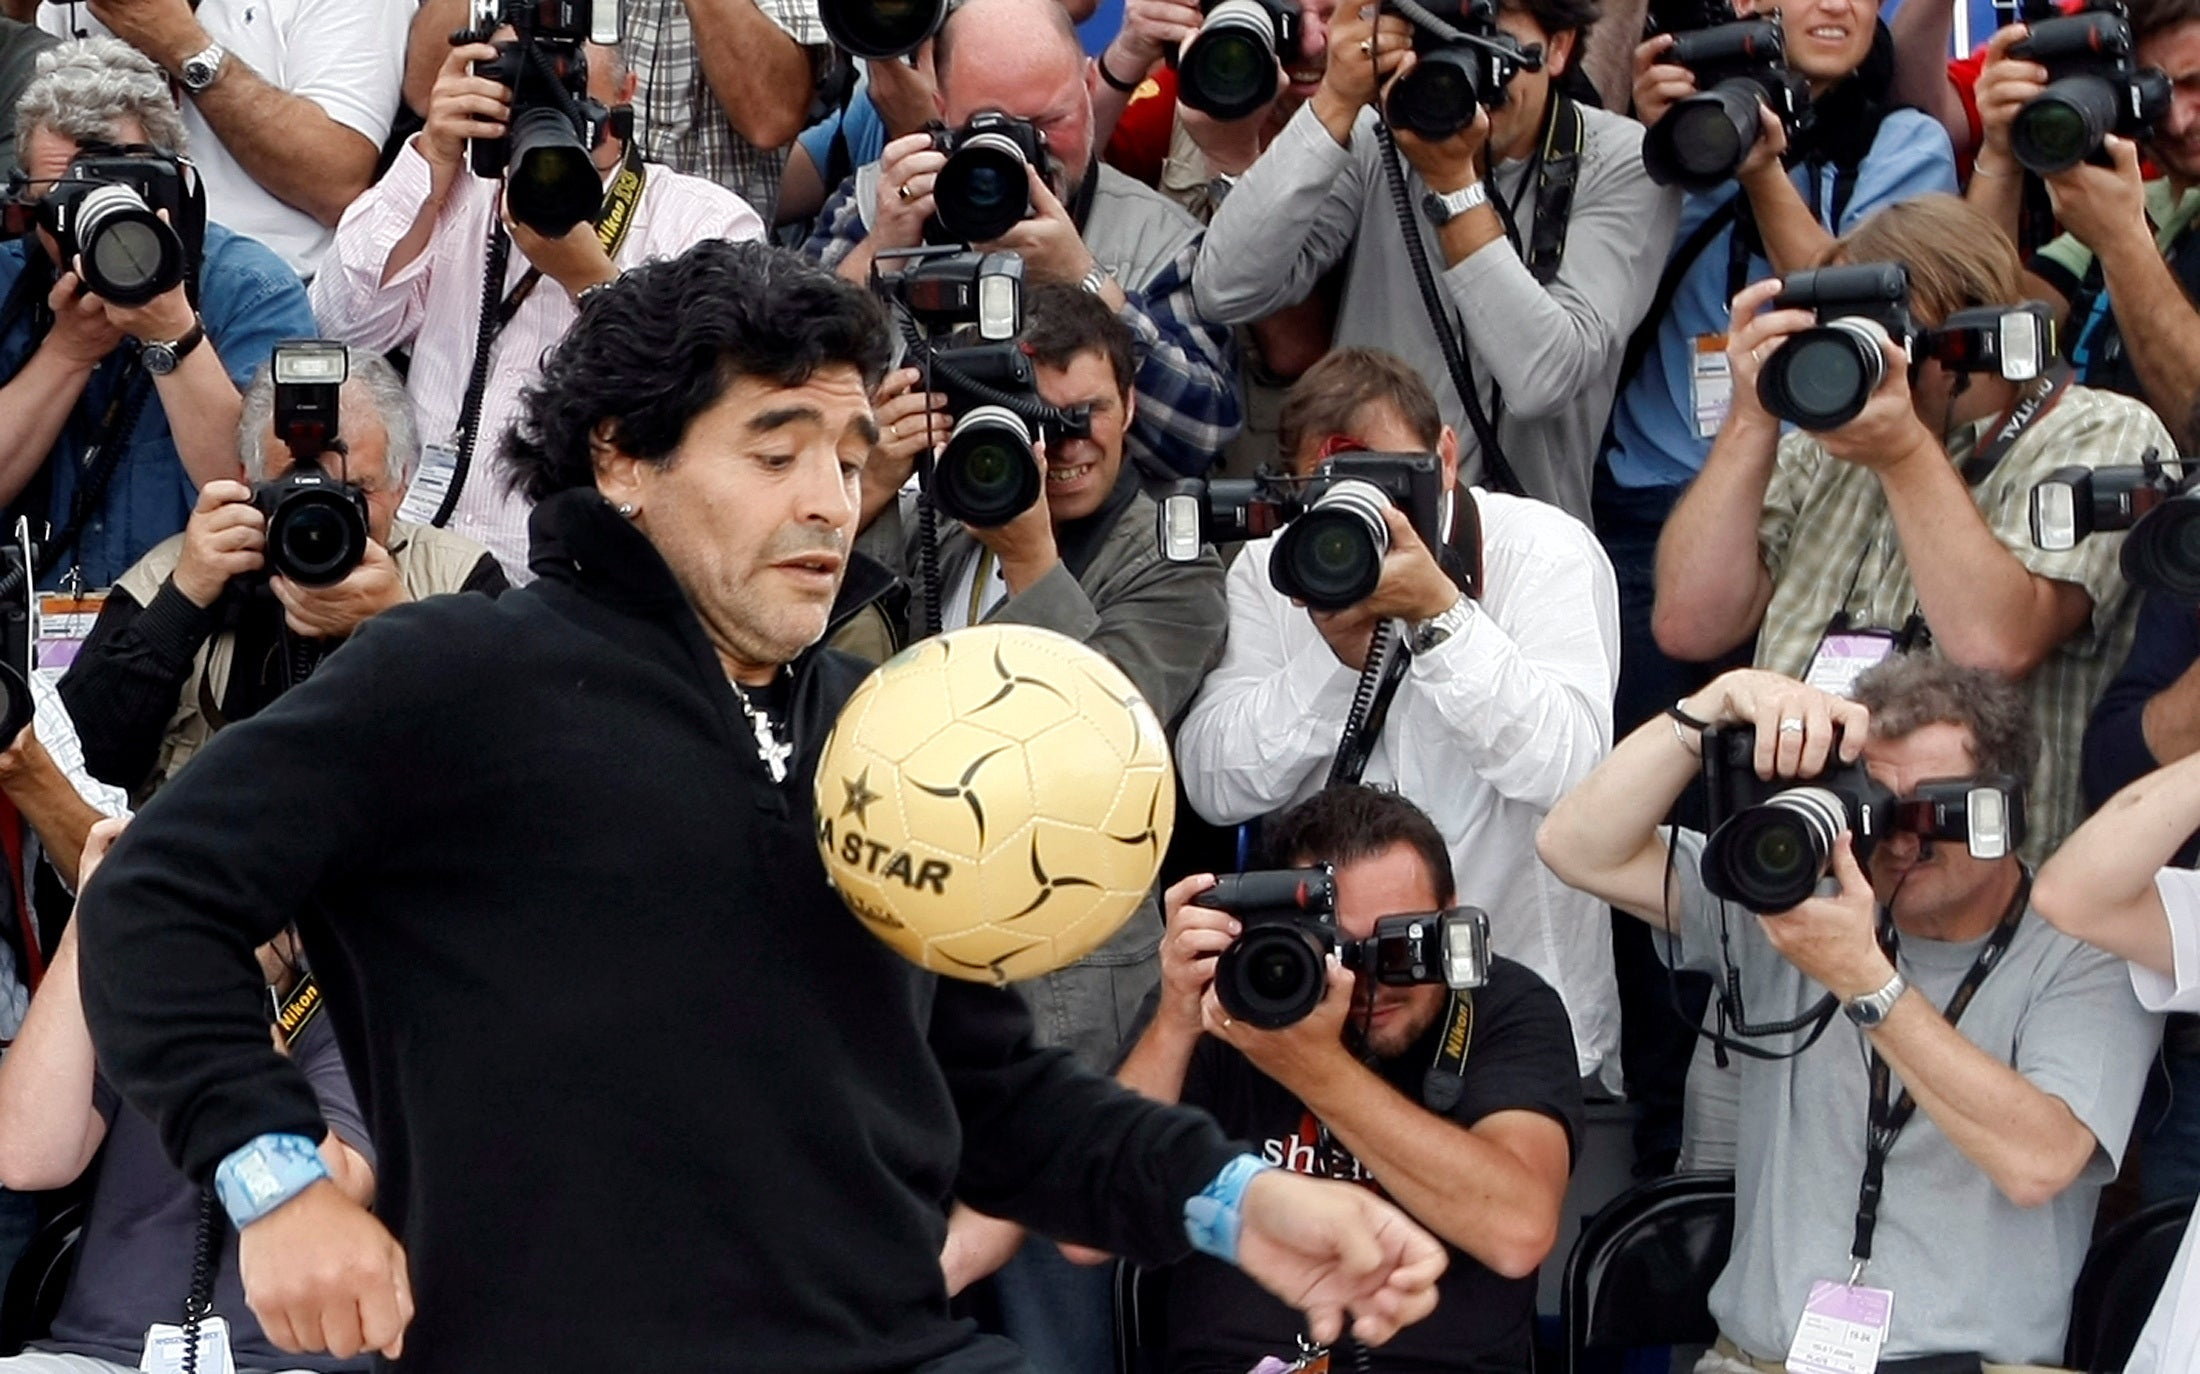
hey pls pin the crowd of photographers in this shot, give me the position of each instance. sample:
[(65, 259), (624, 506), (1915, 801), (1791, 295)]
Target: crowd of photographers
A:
[(1651, 527)]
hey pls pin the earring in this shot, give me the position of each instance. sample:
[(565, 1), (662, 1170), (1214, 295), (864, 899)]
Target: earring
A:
[(627, 510)]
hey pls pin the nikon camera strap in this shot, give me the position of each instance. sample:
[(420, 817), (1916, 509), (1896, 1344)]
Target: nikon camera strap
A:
[(613, 222)]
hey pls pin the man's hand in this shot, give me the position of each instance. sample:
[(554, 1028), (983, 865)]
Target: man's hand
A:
[(81, 333), (164, 30), (1229, 145), (1751, 337), (909, 421), (1193, 937), (226, 537), (1659, 86), (163, 319), (462, 106), (105, 831), (1025, 545), (1888, 431), (334, 611), (1047, 238), (2104, 205), (322, 1274), (2005, 83), (1834, 940), (1363, 51), (1297, 1055), (1413, 587), (1768, 701), (1446, 164), (1335, 1249), (1764, 156), (575, 261), (906, 170), (906, 94), (1152, 30)]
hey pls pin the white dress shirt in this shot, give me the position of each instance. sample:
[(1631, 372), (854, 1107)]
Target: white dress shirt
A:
[(434, 305), (2170, 1343), (1486, 732)]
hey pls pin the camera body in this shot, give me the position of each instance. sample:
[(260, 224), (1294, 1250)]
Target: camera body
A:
[(1228, 70), (1738, 63), (2161, 511), (1771, 841), (983, 191), (1334, 537), (1276, 971), (546, 152), (1821, 378), (105, 209), (316, 522), (1467, 64), (964, 311), (2095, 87)]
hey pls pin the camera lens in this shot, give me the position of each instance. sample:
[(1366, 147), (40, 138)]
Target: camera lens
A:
[(983, 191), (1821, 378), (316, 536), (987, 473), (2063, 125), (1229, 69), (1437, 98), (1703, 138), (1272, 975), (1332, 556), (2162, 552), (130, 257), (881, 29), (1770, 858), (552, 185)]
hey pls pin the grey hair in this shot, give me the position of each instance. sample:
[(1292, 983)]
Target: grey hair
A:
[(1907, 692), (373, 385), (84, 89)]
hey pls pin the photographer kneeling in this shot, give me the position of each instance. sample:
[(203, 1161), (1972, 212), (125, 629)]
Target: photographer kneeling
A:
[(2027, 1082), (204, 631)]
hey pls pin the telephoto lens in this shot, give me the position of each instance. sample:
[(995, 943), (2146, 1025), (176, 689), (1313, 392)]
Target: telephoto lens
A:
[(878, 30), (1771, 857), (2162, 552), (1228, 70), (2063, 125), (1822, 378), (987, 472), (553, 185), (129, 256), (1332, 556), (1704, 138), (1439, 96)]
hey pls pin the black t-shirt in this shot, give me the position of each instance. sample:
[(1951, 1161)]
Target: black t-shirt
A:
[(1521, 1057)]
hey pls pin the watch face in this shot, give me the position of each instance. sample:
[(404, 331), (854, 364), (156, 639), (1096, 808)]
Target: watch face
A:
[(160, 359)]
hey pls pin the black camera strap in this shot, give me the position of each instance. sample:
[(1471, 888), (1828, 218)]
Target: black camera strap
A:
[(1888, 1119), (499, 307), (2033, 402), (98, 463), (1446, 1079), (198, 1302)]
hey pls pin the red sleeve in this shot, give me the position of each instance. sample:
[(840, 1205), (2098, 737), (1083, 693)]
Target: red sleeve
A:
[(1140, 144), (1963, 73)]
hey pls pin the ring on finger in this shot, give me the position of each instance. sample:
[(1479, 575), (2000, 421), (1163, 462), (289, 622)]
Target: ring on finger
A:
[(903, 192), (1792, 725)]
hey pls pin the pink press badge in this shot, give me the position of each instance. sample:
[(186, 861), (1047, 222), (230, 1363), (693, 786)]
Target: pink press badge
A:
[(1845, 655), (1842, 1329)]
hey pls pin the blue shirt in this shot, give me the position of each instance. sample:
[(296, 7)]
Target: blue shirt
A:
[(250, 300), (1654, 441), (861, 126)]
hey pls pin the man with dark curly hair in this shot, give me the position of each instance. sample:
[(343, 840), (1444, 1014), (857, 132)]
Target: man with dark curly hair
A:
[(644, 1094)]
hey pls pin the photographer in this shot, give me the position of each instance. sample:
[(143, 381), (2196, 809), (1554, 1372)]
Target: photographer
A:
[(1504, 704), (1539, 286), (2113, 886), (113, 417), (1091, 226), (1341, 1094), (2124, 272), (198, 636), (2025, 1085), (60, 1120), (407, 273), (286, 102), (1910, 520)]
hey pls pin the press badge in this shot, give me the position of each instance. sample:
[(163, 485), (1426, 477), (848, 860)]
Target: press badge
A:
[(431, 482), (1843, 1327), (1710, 384), (1845, 655), (164, 1349), (64, 622)]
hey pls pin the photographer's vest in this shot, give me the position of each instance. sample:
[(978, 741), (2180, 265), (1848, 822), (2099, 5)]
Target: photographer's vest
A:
[(430, 562)]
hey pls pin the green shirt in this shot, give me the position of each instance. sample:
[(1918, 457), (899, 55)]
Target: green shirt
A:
[(2170, 218)]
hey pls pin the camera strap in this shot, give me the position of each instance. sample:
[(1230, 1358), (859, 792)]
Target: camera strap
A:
[(198, 1301), (613, 222), (1446, 1079), (1887, 1119), (2032, 403), (98, 463)]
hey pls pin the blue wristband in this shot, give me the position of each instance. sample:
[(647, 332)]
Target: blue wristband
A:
[(265, 1173), (1213, 1218)]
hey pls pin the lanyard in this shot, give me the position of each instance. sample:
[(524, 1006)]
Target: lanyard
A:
[(2035, 401), (1887, 1120)]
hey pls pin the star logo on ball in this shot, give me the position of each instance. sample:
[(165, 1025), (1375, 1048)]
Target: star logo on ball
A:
[(859, 797)]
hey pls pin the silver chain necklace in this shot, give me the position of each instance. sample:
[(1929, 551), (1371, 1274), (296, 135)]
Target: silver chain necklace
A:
[(776, 753)]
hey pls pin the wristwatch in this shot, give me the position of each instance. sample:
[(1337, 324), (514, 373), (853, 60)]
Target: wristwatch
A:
[(1452, 620), (1444, 208), (201, 69), (1872, 1008), (1094, 281), (162, 358)]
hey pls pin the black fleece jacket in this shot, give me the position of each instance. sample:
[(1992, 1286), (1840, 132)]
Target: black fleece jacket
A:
[(646, 1095)]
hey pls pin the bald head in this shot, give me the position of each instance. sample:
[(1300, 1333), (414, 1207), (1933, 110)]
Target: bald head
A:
[(1021, 58)]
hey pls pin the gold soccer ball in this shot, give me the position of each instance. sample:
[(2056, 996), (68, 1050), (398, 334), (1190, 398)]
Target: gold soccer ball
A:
[(994, 803)]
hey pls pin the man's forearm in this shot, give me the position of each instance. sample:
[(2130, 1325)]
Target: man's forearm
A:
[(53, 808), (1997, 191), (34, 409), (203, 409), (2099, 887), (2160, 329), (1923, 31), (1793, 237), (289, 144), (754, 67), (1156, 1065), (1712, 586), (1471, 1191), (48, 1126), (1602, 837), (2027, 1141), (2170, 721)]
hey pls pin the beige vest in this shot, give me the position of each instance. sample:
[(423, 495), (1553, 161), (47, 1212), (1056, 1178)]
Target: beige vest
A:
[(430, 562)]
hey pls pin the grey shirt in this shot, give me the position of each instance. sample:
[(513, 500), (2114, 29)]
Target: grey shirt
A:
[(1308, 203), (1970, 1270)]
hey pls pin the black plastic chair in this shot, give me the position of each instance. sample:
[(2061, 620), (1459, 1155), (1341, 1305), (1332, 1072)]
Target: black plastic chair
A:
[(40, 1278), (1642, 1270), (2122, 1276)]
